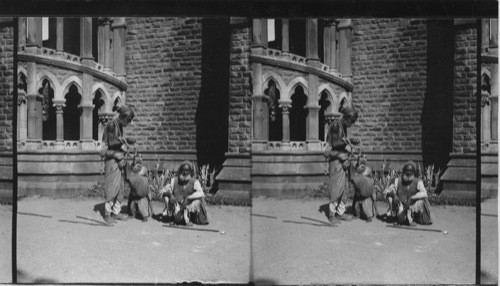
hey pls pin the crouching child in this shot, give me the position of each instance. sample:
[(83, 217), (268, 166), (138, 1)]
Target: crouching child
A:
[(364, 193), (139, 197), (184, 198)]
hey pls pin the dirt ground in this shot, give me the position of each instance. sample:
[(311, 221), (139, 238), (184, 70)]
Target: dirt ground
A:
[(62, 240), (293, 244), (489, 242), (6, 243)]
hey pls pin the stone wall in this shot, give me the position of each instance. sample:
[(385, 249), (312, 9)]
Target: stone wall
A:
[(464, 101), (240, 89), (163, 65), (6, 83), (389, 76)]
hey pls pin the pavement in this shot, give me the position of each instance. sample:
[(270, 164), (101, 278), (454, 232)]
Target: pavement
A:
[(274, 242), (489, 241), (6, 243), (293, 244), (66, 241)]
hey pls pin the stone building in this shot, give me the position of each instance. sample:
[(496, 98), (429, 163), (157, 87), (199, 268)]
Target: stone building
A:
[(6, 107), (253, 97)]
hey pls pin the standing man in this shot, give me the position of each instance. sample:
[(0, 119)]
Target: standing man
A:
[(338, 156), (113, 152)]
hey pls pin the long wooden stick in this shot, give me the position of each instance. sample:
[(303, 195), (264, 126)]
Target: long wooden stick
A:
[(190, 228), (414, 228)]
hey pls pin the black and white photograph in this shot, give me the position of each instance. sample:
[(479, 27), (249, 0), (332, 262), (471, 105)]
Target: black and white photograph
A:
[(263, 150)]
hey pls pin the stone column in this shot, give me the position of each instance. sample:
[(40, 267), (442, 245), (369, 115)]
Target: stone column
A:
[(285, 39), (32, 42), (60, 35), (86, 105), (119, 27), (22, 131), (39, 31), (22, 31), (86, 41), (330, 44), (485, 118), (313, 143), (312, 105), (59, 105), (485, 35), (312, 43), (100, 41), (494, 105), (259, 109), (345, 30), (259, 36), (86, 117), (34, 100), (107, 44), (285, 105)]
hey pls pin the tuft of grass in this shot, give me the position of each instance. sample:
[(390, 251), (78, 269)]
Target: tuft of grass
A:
[(221, 201), (322, 191)]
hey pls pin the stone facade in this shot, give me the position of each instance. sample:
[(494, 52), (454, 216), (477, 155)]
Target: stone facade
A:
[(6, 81), (240, 90), (464, 102), (197, 98), (163, 64), (389, 78)]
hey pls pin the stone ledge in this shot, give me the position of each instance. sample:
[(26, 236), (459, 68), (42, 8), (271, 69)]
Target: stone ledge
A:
[(234, 179), (74, 66)]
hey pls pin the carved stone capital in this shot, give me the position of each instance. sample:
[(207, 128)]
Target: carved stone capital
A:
[(331, 116), (59, 105), (104, 117), (59, 108), (102, 21), (330, 22), (21, 99), (285, 103)]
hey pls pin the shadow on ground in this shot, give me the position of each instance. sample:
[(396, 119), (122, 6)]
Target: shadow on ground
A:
[(487, 278), (264, 281), (24, 277)]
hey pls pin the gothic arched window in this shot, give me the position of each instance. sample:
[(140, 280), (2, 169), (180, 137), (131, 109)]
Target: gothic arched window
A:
[(298, 115), (22, 83), (116, 104), (324, 103), (275, 114), (72, 114), (98, 102), (48, 111)]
